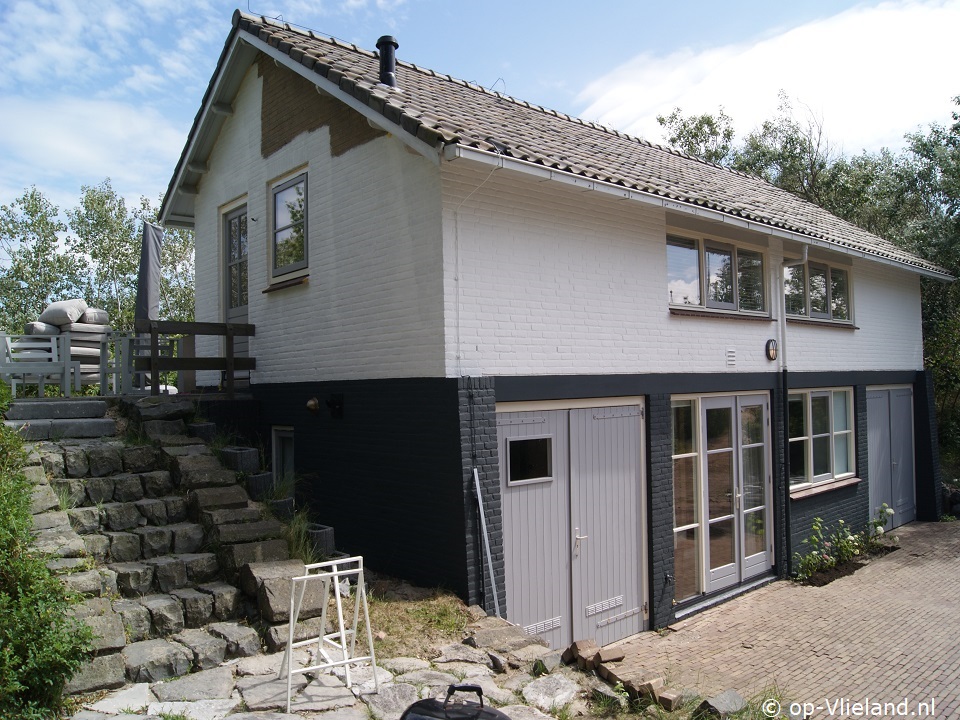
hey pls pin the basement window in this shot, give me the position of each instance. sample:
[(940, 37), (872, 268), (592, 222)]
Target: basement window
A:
[(530, 460)]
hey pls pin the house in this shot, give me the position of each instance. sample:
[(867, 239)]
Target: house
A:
[(656, 371)]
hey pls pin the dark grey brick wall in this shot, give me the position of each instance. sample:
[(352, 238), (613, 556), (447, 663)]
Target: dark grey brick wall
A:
[(478, 449), (660, 513), (929, 478), (780, 498), (850, 503)]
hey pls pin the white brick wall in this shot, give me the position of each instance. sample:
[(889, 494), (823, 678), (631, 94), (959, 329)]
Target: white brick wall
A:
[(372, 306), (557, 280)]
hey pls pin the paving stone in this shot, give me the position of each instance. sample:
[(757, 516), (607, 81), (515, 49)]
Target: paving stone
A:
[(391, 701), (53, 463), (242, 641), (75, 462), (176, 508), (98, 547), (72, 490), (266, 692), (85, 583), (52, 520), (523, 712), (226, 599), (43, 499), (166, 613), (187, 537), (356, 712), (671, 699), (139, 459), (99, 490), (169, 573), (197, 606), (458, 652), (232, 557), (200, 567), (60, 542), (208, 651), (127, 488), (124, 546), (104, 672), (361, 678), (241, 459), (550, 692), (270, 663), (401, 665), (322, 694), (135, 618), (121, 516), (204, 685), (154, 510), (155, 660), (154, 541), (157, 484), (134, 697), (432, 678), (84, 520), (104, 460), (197, 710)]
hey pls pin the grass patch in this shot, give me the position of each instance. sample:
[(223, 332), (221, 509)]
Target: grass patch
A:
[(298, 540)]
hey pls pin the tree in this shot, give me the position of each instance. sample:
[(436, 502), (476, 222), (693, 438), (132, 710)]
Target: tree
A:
[(708, 137), (38, 271)]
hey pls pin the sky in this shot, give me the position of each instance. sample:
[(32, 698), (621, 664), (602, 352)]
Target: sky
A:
[(95, 89)]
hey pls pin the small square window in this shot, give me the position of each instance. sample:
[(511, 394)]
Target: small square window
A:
[(530, 459)]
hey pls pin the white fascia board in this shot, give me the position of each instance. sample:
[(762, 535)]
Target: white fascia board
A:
[(453, 151), (375, 118)]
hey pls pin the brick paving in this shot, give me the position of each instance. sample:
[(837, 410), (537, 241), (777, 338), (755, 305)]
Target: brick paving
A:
[(889, 631)]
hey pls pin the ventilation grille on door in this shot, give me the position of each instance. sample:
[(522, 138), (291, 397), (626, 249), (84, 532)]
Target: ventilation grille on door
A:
[(600, 607), (542, 627)]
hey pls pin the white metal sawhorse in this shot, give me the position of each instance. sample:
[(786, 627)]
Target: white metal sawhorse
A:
[(331, 573)]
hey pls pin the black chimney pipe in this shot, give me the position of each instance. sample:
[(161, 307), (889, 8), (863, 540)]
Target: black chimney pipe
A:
[(387, 45)]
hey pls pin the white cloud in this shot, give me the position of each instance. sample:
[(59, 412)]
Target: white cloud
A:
[(871, 74)]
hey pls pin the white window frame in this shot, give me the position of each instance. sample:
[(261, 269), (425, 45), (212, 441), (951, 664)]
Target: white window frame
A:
[(809, 436), (275, 189), (808, 312), (530, 481), (703, 245), (277, 432)]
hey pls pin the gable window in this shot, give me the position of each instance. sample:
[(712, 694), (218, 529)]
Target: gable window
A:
[(289, 239), (821, 435), (709, 274), (817, 291)]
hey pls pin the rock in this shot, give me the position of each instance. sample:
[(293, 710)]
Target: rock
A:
[(243, 532), (187, 537), (169, 573), (153, 510), (133, 579), (217, 498), (73, 490), (134, 697), (226, 599), (52, 463), (127, 488), (323, 694), (273, 599), (43, 499), (75, 462), (108, 581), (523, 712), (124, 546), (267, 692), (67, 565), (157, 484), (270, 664), (500, 639), (200, 567), (361, 678), (476, 613), (156, 429), (233, 557), (104, 672), (401, 665), (139, 459), (277, 635), (467, 671), (154, 541), (99, 490), (154, 660), (166, 614), (721, 706), (391, 701), (204, 685), (493, 692), (550, 692), (98, 547), (135, 618), (52, 520), (121, 516), (176, 508), (242, 641), (92, 607), (514, 683), (208, 651), (196, 710), (35, 475), (197, 606), (458, 652), (192, 472), (107, 631), (241, 459), (431, 678), (163, 408), (60, 542), (84, 520), (253, 574), (104, 460), (206, 431)]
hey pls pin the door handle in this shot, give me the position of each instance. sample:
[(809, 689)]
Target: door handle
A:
[(577, 538)]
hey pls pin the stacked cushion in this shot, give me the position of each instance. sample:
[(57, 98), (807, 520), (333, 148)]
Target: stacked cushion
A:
[(87, 327)]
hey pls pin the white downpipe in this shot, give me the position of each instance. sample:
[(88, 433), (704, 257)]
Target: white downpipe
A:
[(783, 304), (486, 543)]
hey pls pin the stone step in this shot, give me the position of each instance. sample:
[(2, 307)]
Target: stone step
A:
[(234, 557), (211, 518), (223, 498), (192, 472), (65, 428), (48, 409), (246, 532)]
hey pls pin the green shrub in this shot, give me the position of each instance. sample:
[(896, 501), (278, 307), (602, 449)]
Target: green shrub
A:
[(41, 646)]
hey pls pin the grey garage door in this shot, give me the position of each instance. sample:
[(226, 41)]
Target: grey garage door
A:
[(890, 447), (572, 489)]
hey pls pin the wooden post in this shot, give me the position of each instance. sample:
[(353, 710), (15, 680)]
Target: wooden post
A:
[(230, 362)]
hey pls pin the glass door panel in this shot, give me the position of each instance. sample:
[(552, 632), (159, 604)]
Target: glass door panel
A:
[(754, 489), (719, 491)]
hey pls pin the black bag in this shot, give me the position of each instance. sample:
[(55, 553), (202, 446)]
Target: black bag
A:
[(433, 709)]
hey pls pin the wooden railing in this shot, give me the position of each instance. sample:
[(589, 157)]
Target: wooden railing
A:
[(158, 363)]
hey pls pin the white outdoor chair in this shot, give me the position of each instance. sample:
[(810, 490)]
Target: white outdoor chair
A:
[(38, 360)]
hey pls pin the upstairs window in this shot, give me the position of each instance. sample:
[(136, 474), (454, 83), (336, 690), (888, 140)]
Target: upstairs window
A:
[(708, 274), (289, 239), (817, 291)]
